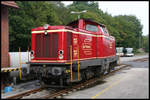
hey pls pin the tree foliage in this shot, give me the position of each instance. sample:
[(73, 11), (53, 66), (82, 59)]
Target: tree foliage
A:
[(145, 43), (127, 29)]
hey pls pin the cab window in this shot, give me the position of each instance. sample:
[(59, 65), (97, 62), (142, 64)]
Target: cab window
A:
[(74, 25), (105, 31), (102, 29), (92, 28)]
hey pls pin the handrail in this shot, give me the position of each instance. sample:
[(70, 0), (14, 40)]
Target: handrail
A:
[(119, 56), (78, 61), (71, 61)]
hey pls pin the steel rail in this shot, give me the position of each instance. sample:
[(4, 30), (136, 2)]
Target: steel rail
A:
[(64, 91), (142, 59), (81, 85), (28, 92)]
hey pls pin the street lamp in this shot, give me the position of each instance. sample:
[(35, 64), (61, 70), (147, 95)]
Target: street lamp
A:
[(73, 12)]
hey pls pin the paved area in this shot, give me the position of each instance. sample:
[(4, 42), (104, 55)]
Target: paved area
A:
[(132, 82), (124, 59)]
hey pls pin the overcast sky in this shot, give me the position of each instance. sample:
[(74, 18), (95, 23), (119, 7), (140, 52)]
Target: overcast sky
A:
[(138, 8)]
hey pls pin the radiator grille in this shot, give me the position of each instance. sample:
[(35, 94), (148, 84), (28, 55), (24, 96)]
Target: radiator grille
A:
[(46, 45)]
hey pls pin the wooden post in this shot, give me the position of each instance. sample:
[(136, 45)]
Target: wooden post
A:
[(20, 61), (28, 53), (119, 55)]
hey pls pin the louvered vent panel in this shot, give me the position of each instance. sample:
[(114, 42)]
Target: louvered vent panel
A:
[(46, 45)]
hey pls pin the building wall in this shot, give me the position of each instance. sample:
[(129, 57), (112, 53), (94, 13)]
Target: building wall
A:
[(4, 37)]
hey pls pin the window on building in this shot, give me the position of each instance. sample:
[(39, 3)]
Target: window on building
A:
[(92, 28)]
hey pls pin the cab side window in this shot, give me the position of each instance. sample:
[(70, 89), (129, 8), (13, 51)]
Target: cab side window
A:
[(92, 28), (74, 25), (102, 29), (105, 30)]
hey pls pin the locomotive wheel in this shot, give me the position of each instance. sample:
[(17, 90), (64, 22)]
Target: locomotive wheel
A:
[(108, 70), (97, 72), (113, 64), (107, 66), (42, 83), (83, 75)]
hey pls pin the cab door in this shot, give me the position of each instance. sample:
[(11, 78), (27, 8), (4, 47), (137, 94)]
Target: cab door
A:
[(106, 42), (75, 46), (92, 39), (99, 43), (103, 42)]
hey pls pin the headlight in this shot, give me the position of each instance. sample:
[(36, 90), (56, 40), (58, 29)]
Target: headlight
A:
[(32, 52), (61, 57), (45, 33), (32, 57), (46, 26), (61, 52)]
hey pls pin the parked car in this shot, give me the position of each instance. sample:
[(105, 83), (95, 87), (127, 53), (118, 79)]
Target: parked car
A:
[(121, 51), (129, 52)]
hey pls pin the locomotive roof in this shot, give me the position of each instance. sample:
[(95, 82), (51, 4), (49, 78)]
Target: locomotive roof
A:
[(90, 20)]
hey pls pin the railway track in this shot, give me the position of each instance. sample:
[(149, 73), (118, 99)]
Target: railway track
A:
[(141, 60), (80, 86), (20, 95), (63, 92)]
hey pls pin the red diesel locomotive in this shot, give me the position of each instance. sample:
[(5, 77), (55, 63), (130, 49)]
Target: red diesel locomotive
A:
[(78, 51)]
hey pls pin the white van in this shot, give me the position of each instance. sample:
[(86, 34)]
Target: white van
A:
[(129, 52), (121, 51)]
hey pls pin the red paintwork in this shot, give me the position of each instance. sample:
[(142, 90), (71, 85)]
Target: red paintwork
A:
[(100, 46)]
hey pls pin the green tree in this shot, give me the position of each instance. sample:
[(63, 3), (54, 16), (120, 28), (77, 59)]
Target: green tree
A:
[(146, 43), (30, 15), (126, 29)]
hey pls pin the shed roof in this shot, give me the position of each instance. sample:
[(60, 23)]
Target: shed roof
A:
[(9, 3)]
